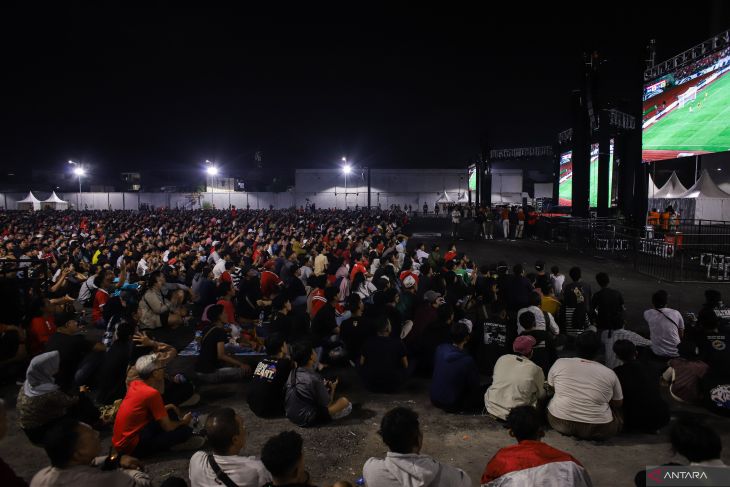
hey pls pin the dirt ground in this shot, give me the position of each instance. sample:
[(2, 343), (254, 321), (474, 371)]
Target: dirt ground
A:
[(338, 451)]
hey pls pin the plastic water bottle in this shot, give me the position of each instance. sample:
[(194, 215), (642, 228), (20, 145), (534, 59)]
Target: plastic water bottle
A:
[(198, 339)]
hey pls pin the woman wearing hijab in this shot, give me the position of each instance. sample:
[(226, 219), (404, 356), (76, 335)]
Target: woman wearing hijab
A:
[(42, 403)]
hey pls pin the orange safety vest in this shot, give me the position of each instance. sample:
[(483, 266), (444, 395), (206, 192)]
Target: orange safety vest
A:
[(665, 220), (653, 218)]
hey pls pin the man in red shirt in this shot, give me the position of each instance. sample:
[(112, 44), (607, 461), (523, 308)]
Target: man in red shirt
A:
[(103, 281), (144, 424), (530, 461), (41, 328), (451, 254), (270, 283)]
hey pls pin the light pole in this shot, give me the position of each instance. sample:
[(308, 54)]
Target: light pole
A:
[(78, 171), (346, 170)]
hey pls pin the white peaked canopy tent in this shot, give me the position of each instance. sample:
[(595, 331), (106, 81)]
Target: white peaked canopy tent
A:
[(54, 203), (653, 190), (463, 198), (672, 189), (444, 201), (29, 203), (711, 203)]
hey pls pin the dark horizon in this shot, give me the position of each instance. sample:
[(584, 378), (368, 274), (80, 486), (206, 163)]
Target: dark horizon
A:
[(125, 93)]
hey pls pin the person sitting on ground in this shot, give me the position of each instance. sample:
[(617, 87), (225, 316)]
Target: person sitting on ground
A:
[(283, 457), (283, 321), (557, 280), (530, 461), (41, 403), (404, 465), (666, 327), (713, 340), (42, 326), (74, 448), (615, 331), (643, 409), (144, 425), (355, 330), (226, 436), (517, 290), (155, 310), (310, 400), (587, 394), (544, 352), (265, 396), (80, 358), (548, 302), (455, 387), (516, 381), (384, 361), (685, 372), (607, 305), (324, 325), (543, 319), (214, 365), (694, 440), (575, 316)]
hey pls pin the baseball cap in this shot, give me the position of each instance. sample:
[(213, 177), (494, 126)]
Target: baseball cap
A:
[(539, 265), (409, 282), (523, 344), (431, 296)]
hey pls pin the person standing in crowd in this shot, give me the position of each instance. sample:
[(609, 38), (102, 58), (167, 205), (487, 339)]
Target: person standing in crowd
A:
[(455, 221), (520, 223), (404, 465), (644, 409), (516, 381), (226, 437), (666, 327), (505, 222), (530, 461), (587, 394)]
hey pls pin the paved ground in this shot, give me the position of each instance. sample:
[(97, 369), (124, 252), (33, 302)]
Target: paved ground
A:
[(339, 451)]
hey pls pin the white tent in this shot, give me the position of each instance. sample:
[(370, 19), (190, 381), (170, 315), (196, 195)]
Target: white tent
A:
[(29, 203), (54, 203), (711, 203), (653, 190), (672, 189), (445, 199), (463, 198)]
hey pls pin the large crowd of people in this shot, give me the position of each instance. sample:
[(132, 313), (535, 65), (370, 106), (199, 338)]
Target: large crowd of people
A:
[(97, 305)]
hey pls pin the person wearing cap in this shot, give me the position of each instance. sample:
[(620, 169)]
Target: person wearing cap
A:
[(517, 380), (406, 304), (455, 387)]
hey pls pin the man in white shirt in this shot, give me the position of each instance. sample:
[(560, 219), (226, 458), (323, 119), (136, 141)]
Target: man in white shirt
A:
[(455, 220), (517, 381), (226, 437), (220, 266), (666, 327), (320, 262), (404, 465), (587, 394), (557, 279), (540, 315)]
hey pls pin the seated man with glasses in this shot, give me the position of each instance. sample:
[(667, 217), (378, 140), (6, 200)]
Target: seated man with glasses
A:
[(144, 424)]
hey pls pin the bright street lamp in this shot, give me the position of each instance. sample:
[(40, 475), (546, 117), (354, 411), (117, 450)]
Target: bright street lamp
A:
[(212, 170), (347, 169), (78, 171)]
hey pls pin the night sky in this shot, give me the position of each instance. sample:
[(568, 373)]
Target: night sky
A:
[(133, 91)]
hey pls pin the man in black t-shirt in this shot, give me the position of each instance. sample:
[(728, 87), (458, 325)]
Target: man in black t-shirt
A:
[(607, 304), (214, 365), (355, 330), (80, 358), (544, 353), (383, 363), (266, 394)]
